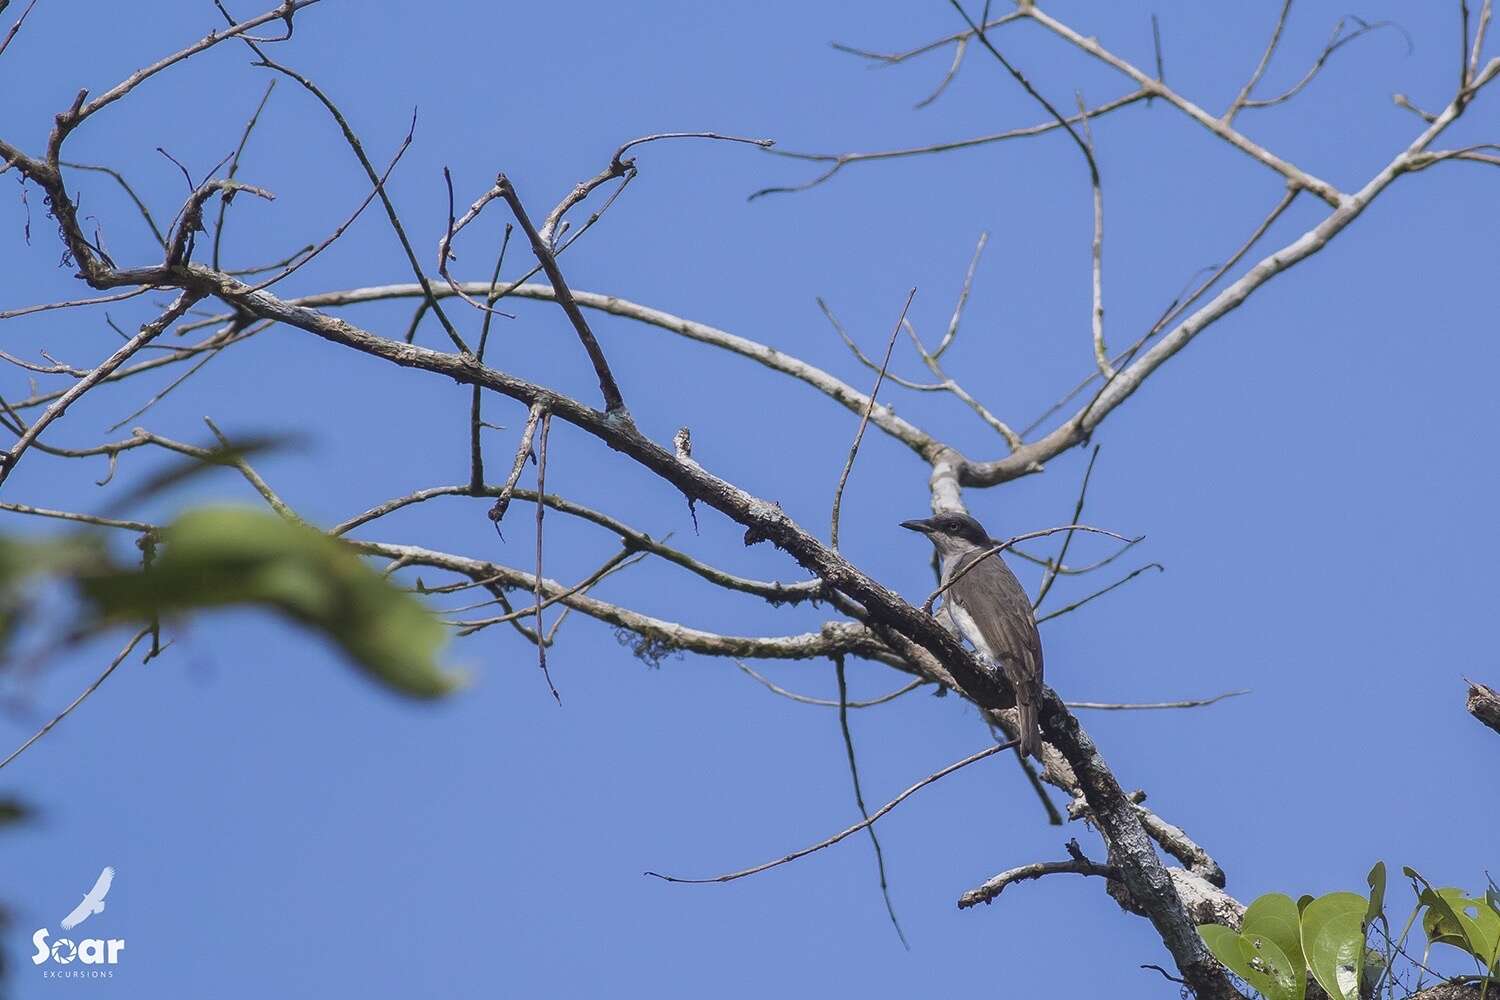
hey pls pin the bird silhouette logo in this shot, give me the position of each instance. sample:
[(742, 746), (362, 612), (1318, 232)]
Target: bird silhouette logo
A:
[(93, 901)]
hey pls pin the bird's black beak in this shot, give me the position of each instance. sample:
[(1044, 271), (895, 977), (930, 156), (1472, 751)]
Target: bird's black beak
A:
[(924, 526)]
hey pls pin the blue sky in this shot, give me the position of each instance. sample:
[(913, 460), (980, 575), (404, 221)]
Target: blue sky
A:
[(1312, 473)]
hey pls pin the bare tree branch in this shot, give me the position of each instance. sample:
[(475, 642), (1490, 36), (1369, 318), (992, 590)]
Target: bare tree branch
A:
[(1484, 705), (1156, 88), (541, 509), (613, 402), (60, 406), (502, 502), (991, 889), (234, 168)]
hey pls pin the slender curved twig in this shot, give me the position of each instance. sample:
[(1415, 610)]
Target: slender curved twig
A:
[(989, 751), (119, 659), (864, 421)]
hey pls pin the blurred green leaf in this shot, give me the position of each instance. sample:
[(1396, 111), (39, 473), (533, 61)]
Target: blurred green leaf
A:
[(217, 556), (13, 811), (21, 558), (1274, 918), (228, 453), (1302, 902), (1333, 939)]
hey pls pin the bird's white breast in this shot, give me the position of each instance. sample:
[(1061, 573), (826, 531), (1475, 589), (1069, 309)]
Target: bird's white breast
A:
[(970, 629)]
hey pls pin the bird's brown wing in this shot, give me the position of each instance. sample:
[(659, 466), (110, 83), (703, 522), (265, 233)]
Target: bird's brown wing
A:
[(997, 602)]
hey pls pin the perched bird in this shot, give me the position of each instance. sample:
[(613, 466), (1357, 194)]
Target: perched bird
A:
[(93, 901), (991, 609)]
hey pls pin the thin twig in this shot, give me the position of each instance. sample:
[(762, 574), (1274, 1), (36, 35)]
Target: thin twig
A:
[(949, 383), (1260, 68), (775, 591), (162, 394), (1292, 173), (1086, 146), (963, 298), (868, 362), (1178, 306), (1101, 592), (864, 420), (298, 260), (999, 547), (613, 401), (120, 658), (149, 332), (502, 502), (1336, 41), (620, 560), (130, 191), (620, 166), (859, 798), (234, 168), (839, 161), (824, 702), (445, 247), (1049, 577), (989, 751), (1109, 706), (72, 303), (476, 450), (883, 59), (541, 508), (1054, 818), (5, 43), (375, 180)]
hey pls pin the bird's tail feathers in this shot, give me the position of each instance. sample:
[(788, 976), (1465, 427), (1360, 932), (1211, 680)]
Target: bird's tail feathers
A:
[(1031, 735)]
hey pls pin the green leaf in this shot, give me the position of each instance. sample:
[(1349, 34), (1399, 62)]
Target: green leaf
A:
[(13, 811), (219, 556), (1453, 918), (1462, 921), (21, 558), (1333, 940), (227, 453), (1257, 959), (1274, 917), (1234, 952), (1376, 881), (1302, 902)]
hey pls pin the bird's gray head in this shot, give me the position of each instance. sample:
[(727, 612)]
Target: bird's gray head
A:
[(951, 533)]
